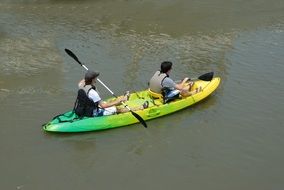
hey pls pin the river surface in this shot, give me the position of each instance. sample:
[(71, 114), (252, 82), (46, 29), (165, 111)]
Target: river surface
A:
[(232, 140)]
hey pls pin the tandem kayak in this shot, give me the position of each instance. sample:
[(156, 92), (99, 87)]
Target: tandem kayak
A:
[(69, 122)]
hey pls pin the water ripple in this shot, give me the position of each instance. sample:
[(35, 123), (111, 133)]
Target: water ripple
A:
[(27, 56)]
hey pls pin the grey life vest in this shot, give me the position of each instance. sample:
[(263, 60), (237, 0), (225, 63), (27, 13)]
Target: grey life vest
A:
[(155, 84)]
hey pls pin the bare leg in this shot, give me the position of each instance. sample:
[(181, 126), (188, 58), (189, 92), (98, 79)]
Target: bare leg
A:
[(189, 85), (124, 109), (189, 91)]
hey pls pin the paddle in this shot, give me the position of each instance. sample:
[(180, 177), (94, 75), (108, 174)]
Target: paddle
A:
[(71, 54), (205, 77)]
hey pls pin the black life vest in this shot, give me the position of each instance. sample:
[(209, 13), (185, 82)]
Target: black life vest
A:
[(84, 106)]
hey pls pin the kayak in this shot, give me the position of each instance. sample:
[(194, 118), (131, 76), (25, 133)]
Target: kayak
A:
[(69, 122)]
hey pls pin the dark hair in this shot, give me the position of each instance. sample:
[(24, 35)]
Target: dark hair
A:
[(166, 66)]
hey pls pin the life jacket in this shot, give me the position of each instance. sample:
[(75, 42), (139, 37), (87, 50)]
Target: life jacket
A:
[(156, 86), (156, 81), (84, 106)]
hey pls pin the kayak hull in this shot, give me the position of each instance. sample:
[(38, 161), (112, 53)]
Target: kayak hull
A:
[(67, 122)]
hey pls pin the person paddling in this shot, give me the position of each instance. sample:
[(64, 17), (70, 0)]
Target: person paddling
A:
[(90, 103), (161, 80)]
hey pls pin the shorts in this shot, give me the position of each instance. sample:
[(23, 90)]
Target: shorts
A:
[(106, 111)]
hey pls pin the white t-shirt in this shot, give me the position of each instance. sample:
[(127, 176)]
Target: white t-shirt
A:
[(94, 95), (96, 98)]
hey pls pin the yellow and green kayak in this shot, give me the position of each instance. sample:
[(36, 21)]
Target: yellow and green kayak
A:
[(69, 122)]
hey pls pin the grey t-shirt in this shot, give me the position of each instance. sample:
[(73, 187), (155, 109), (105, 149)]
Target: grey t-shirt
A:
[(169, 83)]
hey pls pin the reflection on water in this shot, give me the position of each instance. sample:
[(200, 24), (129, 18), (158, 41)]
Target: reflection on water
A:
[(37, 42), (190, 55), (27, 56)]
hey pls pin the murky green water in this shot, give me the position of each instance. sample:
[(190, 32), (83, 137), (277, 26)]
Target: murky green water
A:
[(233, 140)]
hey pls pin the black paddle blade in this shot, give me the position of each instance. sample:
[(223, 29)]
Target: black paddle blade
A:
[(71, 54), (206, 76), (139, 118)]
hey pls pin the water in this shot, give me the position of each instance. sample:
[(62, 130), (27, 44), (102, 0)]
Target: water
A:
[(232, 140)]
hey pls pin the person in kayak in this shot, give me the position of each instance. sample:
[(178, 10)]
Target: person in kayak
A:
[(161, 80), (90, 103)]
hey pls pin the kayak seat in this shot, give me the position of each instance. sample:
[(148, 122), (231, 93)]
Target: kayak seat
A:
[(158, 98), (155, 95), (166, 96)]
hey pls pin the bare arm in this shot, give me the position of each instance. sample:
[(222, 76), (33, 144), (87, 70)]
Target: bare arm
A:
[(181, 86), (81, 83)]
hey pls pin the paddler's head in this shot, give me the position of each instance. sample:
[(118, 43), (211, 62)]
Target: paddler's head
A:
[(166, 66), (90, 77)]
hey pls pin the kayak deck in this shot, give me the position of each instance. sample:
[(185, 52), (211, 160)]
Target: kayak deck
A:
[(68, 122)]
